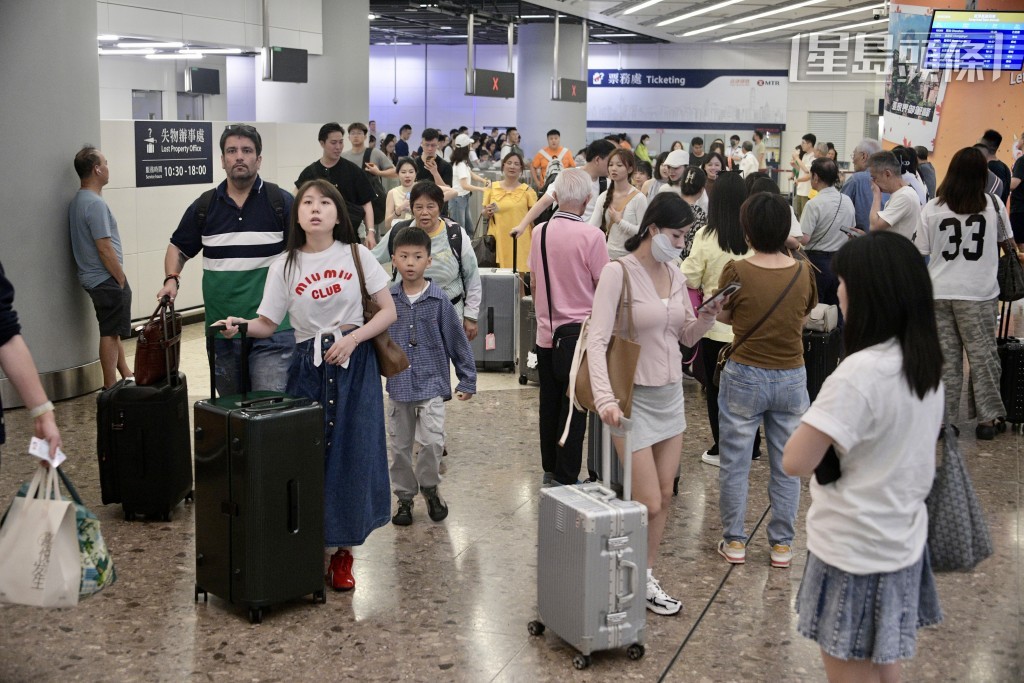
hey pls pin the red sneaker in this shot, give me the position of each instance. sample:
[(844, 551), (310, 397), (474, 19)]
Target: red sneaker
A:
[(339, 573)]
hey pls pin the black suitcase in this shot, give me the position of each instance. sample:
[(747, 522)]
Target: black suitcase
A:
[(1011, 380), (259, 497), (821, 357), (143, 445), (527, 341)]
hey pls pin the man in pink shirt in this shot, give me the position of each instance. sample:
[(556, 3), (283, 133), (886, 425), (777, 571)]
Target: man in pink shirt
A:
[(563, 292)]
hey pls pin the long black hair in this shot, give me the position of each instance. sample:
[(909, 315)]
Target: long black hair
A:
[(667, 211), (724, 213), (889, 295), (343, 230)]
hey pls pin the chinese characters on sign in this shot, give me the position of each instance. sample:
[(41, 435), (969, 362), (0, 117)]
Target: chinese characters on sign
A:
[(173, 153)]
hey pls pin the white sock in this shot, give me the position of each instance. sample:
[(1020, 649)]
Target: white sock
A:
[(650, 573)]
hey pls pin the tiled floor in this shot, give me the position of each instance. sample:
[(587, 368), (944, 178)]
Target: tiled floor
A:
[(450, 601)]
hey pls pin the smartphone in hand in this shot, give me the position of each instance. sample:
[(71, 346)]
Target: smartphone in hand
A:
[(728, 290)]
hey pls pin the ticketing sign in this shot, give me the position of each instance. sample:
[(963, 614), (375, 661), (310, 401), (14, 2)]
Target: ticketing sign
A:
[(173, 153)]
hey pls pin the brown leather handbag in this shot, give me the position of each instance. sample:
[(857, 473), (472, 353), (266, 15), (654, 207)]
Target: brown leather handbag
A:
[(390, 357), (622, 357), (158, 347)]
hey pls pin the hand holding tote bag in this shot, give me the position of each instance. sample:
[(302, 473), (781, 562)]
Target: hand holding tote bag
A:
[(39, 555)]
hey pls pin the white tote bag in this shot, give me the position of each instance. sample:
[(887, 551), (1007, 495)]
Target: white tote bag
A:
[(39, 557)]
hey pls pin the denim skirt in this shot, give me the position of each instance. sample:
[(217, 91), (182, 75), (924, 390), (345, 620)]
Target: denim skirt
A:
[(657, 414), (871, 616), (357, 491)]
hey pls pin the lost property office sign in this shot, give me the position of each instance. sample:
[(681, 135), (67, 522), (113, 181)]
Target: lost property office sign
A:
[(173, 153)]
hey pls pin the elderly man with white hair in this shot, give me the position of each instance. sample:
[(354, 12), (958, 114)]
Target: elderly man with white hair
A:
[(858, 186), (567, 255)]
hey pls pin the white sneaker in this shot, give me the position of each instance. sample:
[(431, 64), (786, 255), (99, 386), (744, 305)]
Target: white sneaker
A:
[(658, 601), (781, 556), (711, 459)]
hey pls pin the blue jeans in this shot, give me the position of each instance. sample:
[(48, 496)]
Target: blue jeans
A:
[(458, 211), (746, 395), (268, 363)]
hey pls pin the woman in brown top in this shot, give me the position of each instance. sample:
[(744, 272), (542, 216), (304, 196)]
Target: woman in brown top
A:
[(764, 378)]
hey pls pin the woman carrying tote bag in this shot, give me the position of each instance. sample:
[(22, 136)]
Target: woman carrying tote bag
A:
[(663, 317)]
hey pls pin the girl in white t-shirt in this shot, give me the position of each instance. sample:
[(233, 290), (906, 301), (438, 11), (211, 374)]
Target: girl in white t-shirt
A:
[(462, 183), (868, 584), (316, 283)]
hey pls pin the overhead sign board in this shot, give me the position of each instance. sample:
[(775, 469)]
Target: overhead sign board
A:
[(570, 90), (486, 83), (173, 153)]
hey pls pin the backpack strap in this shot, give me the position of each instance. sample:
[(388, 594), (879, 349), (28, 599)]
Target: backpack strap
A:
[(455, 242), (544, 153), (366, 156), (602, 184), (202, 207)]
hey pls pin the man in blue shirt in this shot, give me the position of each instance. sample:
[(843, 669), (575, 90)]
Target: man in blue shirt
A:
[(402, 146), (241, 226), (96, 244), (858, 185)]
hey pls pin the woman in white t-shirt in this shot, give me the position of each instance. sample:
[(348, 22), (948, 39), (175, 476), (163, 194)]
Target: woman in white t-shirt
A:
[(622, 206), (868, 584), (315, 283), (961, 231), (462, 183)]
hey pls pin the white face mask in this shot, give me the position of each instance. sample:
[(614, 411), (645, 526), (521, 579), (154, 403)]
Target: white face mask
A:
[(662, 249)]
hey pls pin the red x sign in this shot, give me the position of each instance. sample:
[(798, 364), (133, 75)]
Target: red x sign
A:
[(494, 83)]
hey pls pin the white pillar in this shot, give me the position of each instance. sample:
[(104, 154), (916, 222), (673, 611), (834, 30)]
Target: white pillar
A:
[(536, 112)]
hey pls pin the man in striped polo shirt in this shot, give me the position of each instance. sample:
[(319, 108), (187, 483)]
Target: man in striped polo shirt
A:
[(240, 226)]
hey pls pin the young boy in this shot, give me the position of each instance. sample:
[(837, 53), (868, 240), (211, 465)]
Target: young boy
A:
[(430, 332)]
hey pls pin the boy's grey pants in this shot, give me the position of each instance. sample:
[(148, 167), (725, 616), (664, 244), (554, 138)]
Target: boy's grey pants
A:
[(409, 423)]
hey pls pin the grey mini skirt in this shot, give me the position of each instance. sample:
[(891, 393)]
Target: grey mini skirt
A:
[(658, 414)]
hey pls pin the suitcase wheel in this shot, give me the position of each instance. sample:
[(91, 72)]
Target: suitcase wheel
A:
[(580, 661), (535, 628), (635, 651), (206, 596), (255, 615), (320, 597), (190, 496), (522, 380), (129, 516)]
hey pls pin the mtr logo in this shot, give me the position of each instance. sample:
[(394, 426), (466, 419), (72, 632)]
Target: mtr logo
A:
[(763, 82)]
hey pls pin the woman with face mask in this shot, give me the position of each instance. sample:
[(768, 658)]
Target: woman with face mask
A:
[(663, 318)]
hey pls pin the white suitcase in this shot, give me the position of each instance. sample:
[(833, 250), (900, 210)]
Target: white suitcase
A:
[(592, 564)]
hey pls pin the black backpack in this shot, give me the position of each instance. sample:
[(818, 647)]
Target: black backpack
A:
[(379, 201), (454, 241), (205, 201)]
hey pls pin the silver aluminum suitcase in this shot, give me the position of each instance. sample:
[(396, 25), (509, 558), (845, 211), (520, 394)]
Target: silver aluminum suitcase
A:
[(592, 565), (498, 312)]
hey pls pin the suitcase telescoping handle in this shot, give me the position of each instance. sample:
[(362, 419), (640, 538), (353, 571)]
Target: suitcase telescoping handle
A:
[(211, 334), (166, 312), (626, 426)]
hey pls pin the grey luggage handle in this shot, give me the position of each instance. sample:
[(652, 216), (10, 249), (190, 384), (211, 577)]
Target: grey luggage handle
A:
[(627, 457)]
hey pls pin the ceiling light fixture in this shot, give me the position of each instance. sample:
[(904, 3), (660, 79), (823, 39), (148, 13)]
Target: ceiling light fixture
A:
[(812, 20), (210, 51), (371, 16), (155, 44), (703, 10), (752, 17), (126, 52), (612, 35), (535, 16), (174, 55), (642, 5), (107, 38), (841, 29), (761, 15)]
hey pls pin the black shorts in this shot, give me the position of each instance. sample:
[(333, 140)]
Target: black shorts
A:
[(113, 308), (1017, 225)]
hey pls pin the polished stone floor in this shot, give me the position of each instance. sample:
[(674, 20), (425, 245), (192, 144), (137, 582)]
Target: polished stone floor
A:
[(450, 601)]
